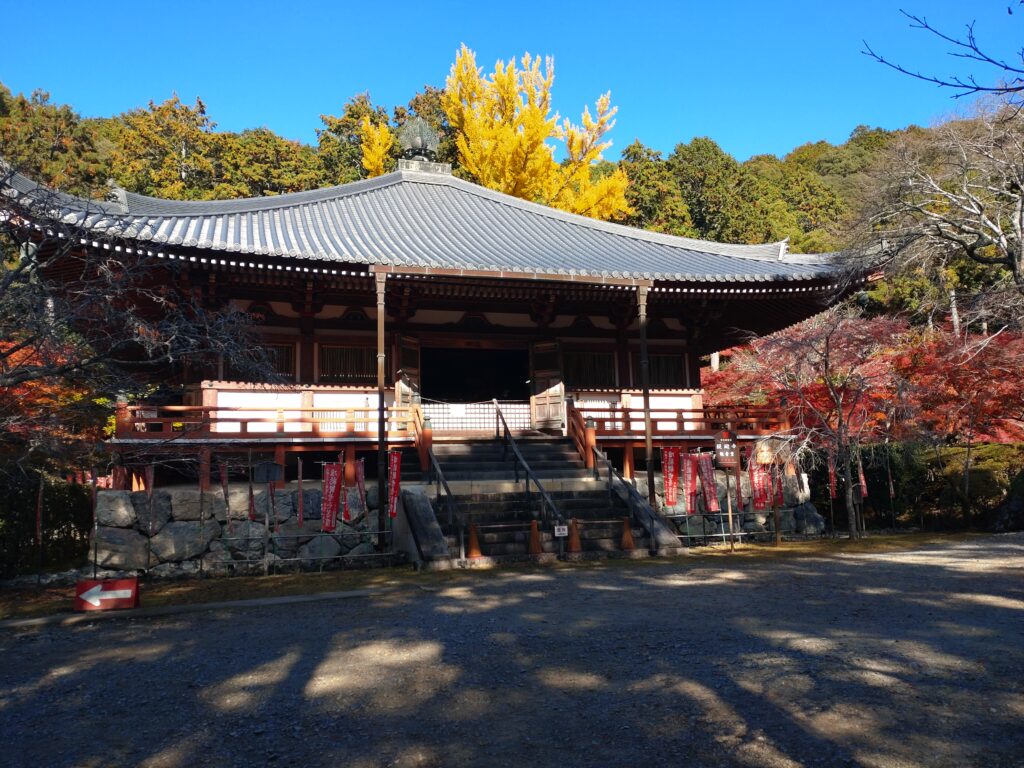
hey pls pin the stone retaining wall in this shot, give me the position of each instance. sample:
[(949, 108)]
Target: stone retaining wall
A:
[(798, 514), (185, 531)]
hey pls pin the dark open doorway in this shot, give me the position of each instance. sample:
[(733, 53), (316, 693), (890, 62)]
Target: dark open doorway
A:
[(474, 375)]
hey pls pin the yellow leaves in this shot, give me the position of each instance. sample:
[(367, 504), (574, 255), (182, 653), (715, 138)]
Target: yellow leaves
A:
[(376, 141), (503, 125)]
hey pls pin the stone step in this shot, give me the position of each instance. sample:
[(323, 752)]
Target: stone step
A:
[(525, 517), (508, 474), (507, 465), (609, 544), (565, 505), (469, 487)]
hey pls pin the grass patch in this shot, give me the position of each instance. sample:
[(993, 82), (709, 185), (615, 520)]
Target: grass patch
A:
[(28, 602)]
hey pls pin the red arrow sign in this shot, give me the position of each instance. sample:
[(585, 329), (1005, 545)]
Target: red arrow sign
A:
[(106, 595)]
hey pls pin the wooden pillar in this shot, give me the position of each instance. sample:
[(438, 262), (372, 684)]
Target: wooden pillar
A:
[(382, 432), (627, 461), (590, 442), (350, 465), (428, 443), (645, 383), (204, 469)]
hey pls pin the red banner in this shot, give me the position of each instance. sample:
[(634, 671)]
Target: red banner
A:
[(689, 469), (345, 515), (759, 482), (832, 493), (706, 467), (777, 475), (670, 473), (394, 481), (301, 502), (331, 496), (361, 481), (860, 477)]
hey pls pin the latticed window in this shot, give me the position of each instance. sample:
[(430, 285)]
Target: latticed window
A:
[(667, 372), (280, 356), (355, 365), (590, 370)]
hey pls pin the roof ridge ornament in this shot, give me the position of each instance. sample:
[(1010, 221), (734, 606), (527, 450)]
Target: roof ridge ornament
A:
[(116, 195), (419, 143), (783, 248)]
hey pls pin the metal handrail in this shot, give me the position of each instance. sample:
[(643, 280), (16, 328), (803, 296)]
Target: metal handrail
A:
[(548, 510), (455, 515), (633, 495)]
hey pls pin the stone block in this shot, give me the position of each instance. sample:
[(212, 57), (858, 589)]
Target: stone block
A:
[(245, 540), (184, 540), (188, 504), (115, 509), (161, 511), (121, 548), (318, 551)]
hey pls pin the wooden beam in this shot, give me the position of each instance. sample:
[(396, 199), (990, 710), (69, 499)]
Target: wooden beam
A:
[(645, 384)]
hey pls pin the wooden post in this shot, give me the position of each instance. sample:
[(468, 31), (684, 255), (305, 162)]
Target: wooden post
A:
[(382, 433), (428, 443), (627, 461), (590, 441), (645, 383), (350, 466), (204, 469)]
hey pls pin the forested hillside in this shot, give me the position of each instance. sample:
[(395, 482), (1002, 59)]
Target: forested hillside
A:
[(172, 149)]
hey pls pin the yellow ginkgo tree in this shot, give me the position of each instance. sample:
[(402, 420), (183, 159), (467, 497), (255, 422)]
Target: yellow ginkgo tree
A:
[(377, 140), (504, 131)]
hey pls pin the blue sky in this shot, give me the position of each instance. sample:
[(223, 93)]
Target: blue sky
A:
[(757, 77)]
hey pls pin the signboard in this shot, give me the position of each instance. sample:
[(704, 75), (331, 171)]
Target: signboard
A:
[(561, 531), (267, 472), (112, 594), (726, 454)]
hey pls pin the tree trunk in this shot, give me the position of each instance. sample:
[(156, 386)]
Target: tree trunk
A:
[(967, 480), (851, 508)]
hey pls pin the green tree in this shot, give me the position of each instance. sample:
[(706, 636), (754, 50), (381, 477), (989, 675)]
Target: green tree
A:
[(258, 162), (49, 142), (167, 150), (653, 193), (340, 143)]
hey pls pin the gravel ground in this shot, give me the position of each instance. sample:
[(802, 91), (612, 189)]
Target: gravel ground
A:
[(897, 659)]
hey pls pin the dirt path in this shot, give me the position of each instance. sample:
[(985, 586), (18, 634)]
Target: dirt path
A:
[(892, 659)]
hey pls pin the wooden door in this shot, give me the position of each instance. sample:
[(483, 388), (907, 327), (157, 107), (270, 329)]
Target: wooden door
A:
[(547, 404), (408, 367)]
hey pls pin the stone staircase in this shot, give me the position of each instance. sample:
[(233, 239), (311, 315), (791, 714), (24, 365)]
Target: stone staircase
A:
[(482, 479)]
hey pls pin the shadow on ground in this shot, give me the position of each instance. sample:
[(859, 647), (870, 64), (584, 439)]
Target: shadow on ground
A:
[(892, 659)]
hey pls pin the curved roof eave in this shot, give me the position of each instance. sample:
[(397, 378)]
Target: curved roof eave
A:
[(415, 219)]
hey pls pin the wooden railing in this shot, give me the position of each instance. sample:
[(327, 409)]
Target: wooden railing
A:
[(217, 422), (615, 421)]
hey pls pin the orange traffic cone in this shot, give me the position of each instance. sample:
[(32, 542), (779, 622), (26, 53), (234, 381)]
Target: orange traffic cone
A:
[(575, 547), (473, 550), (534, 548), (627, 544)]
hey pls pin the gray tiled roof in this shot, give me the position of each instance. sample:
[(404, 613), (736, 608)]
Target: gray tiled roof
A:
[(412, 218)]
